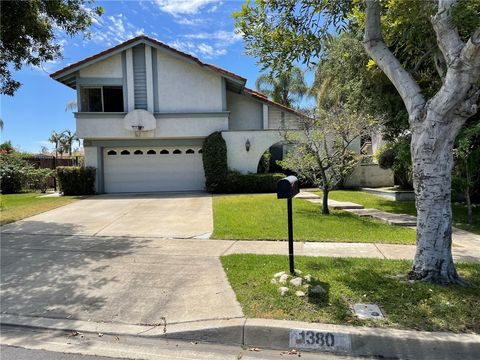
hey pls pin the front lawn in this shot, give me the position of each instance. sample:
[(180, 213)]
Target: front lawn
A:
[(347, 281), (263, 217), (405, 207), (15, 207)]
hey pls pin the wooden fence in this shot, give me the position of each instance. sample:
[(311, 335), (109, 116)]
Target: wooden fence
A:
[(52, 162)]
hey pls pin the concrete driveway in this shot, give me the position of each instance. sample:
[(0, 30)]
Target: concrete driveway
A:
[(115, 279), (108, 259), (175, 215)]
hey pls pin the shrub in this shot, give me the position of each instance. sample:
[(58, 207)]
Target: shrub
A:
[(75, 180), (37, 179), (396, 156), (13, 173), (214, 155), (386, 159), (251, 183), (264, 164)]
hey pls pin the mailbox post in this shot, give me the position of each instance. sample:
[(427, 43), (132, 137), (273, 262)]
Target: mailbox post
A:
[(287, 188)]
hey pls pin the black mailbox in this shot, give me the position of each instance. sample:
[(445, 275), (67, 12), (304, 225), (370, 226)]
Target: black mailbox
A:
[(287, 187)]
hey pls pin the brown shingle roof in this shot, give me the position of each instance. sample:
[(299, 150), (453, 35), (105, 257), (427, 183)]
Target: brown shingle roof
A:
[(265, 99)]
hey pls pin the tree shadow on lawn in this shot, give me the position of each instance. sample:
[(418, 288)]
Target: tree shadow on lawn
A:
[(416, 305), (63, 277)]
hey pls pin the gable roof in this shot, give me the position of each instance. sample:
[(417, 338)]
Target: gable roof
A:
[(64, 75), (67, 74)]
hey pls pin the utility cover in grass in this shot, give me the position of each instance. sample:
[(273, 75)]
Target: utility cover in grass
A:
[(368, 311)]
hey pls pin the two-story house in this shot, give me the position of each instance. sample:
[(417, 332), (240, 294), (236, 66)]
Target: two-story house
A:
[(144, 109)]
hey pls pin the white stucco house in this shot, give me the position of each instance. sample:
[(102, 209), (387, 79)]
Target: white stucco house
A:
[(144, 109)]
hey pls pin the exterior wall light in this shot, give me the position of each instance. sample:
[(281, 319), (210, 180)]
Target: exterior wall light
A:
[(247, 145)]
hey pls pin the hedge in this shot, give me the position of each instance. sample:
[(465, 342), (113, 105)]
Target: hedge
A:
[(214, 155), (250, 183), (75, 180)]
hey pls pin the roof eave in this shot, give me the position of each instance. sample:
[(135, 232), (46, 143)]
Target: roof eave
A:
[(67, 71)]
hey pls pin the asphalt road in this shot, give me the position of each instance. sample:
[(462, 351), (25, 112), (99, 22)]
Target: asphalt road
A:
[(16, 353)]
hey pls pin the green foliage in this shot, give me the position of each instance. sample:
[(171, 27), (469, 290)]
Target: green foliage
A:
[(37, 179), (13, 173), (346, 74), (6, 147), (466, 173), (29, 33), (321, 155), (75, 180), (214, 155), (279, 32), (386, 158), (236, 183), (264, 164), (63, 141), (287, 88), (396, 156)]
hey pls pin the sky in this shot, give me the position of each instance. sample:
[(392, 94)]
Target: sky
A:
[(203, 28)]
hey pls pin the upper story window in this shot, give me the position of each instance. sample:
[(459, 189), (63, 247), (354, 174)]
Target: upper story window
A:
[(102, 99)]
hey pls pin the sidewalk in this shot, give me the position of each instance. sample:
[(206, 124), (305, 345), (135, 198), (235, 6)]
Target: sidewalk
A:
[(461, 238)]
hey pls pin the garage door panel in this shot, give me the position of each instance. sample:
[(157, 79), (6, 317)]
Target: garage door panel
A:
[(153, 172)]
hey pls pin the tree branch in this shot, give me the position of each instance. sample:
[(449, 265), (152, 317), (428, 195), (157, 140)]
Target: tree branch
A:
[(400, 78), (448, 39), (460, 82)]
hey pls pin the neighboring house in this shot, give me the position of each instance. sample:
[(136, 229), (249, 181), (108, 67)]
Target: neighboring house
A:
[(145, 108)]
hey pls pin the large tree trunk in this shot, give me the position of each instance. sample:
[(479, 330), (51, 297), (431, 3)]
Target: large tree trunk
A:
[(432, 159), (434, 124)]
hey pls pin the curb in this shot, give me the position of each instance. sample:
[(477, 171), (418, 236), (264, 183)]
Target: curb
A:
[(277, 335)]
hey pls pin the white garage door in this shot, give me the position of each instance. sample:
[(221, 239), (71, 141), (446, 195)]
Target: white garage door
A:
[(140, 169)]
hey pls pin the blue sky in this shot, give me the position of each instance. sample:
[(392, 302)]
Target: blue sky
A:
[(203, 28)]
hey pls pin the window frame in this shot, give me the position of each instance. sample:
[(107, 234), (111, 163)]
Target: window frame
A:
[(82, 87)]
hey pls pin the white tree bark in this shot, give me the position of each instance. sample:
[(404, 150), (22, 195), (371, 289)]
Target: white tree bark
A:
[(434, 124)]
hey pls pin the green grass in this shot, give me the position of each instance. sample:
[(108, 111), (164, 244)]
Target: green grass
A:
[(14, 207), (263, 217), (418, 306), (405, 207)]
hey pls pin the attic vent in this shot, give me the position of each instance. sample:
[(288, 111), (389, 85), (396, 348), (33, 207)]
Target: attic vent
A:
[(138, 152), (125, 152), (112, 152), (163, 152), (189, 151), (176, 151)]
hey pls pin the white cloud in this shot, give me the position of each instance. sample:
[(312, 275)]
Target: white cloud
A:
[(185, 46), (114, 29), (209, 51), (189, 21), (215, 7), (179, 7), (221, 36), (201, 50)]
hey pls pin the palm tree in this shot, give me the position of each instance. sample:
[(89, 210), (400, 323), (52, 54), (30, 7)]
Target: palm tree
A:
[(71, 105), (68, 137), (56, 139), (287, 88)]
